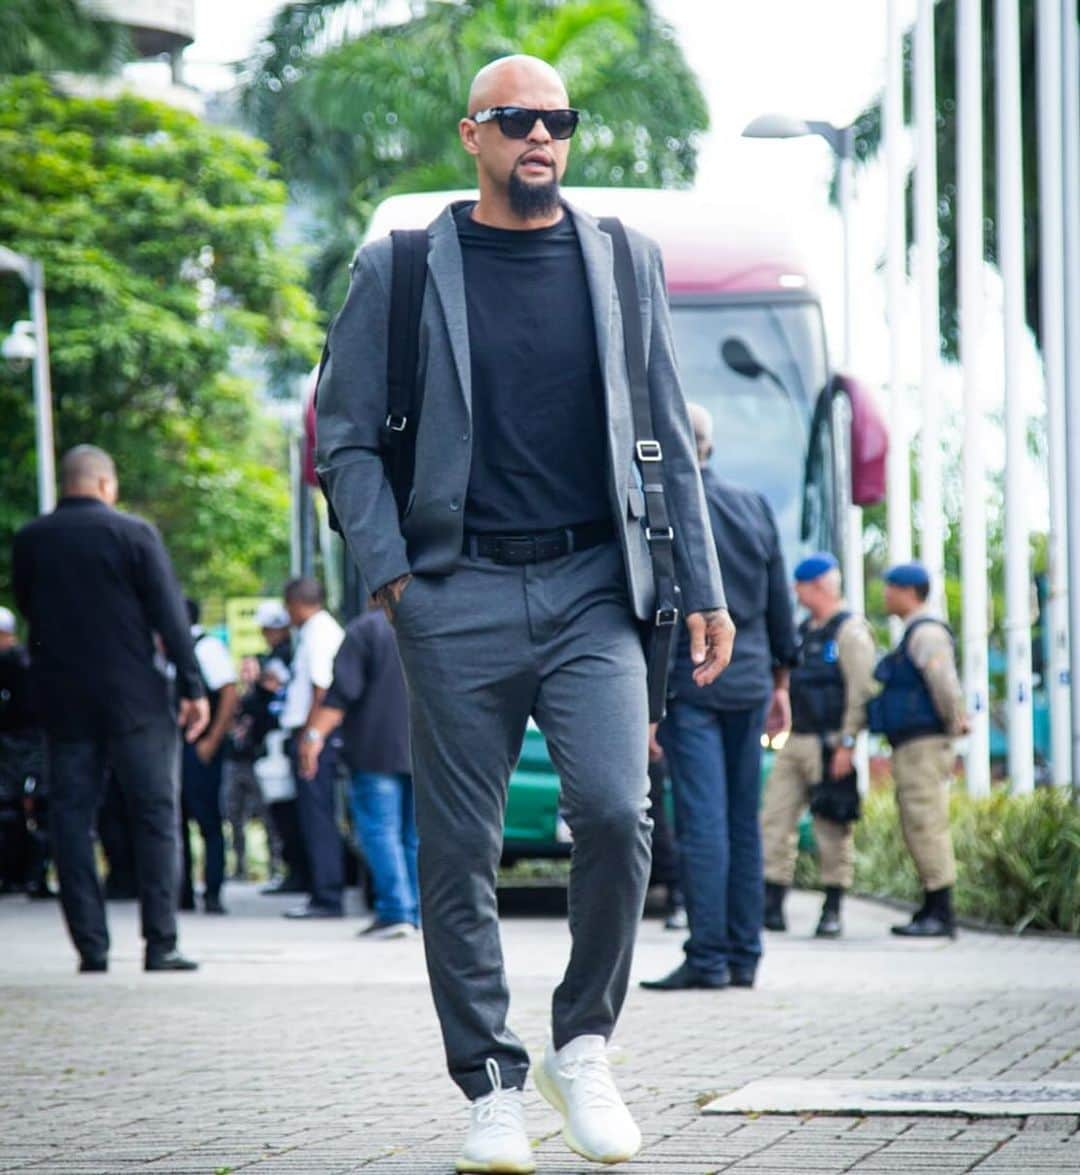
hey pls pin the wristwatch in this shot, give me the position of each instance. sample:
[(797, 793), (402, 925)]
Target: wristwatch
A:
[(847, 741), (312, 736)]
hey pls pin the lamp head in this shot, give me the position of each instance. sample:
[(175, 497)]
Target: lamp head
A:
[(19, 349), (776, 126)]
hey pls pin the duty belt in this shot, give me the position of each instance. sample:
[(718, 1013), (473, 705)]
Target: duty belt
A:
[(517, 549)]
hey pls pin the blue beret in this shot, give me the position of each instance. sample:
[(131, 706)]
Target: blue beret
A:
[(814, 565), (912, 574)]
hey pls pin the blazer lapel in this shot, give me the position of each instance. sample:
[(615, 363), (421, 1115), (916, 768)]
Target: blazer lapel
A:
[(447, 273), (597, 253)]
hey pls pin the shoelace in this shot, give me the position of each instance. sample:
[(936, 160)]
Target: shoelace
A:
[(596, 1084), (498, 1109)]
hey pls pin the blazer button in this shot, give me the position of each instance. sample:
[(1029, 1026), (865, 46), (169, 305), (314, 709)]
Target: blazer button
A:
[(454, 504)]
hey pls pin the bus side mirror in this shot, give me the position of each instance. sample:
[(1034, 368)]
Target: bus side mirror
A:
[(869, 442), (738, 356)]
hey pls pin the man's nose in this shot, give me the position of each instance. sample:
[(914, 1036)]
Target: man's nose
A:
[(539, 132)]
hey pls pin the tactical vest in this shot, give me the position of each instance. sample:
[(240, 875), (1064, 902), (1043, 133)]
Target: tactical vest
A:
[(817, 688), (904, 710)]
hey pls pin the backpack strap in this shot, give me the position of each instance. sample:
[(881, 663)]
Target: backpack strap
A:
[(404, 396), (649, 458)]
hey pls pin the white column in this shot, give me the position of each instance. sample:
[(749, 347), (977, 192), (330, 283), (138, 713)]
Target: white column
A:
[(854, 575), (1070, 47), (43, 413), (1010, 235), (970, 297), (1052, 295), (899, 473), (931, 509)]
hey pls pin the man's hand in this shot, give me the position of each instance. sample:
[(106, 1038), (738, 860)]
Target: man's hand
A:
[(389, 595), (308, 755), (712, 635), (656, 751), (193, 718), (206, 749), (778, 718), (843, 759)]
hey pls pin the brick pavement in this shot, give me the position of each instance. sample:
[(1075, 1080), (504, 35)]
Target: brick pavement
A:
[(299, 1050)]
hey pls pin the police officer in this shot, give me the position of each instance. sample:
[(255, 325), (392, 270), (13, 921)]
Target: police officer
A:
[(919, 710), (829, 687)]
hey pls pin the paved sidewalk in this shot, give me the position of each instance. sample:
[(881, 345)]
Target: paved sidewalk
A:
[(299, 1049)]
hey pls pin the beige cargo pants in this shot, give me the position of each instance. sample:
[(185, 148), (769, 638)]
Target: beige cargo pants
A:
[(922, 770), (798, 765)]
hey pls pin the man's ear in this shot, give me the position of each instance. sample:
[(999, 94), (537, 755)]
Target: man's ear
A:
[(467, 130)]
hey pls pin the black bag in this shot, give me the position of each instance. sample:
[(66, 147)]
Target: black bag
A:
[(404, 392), (837, 800), (661, 632)]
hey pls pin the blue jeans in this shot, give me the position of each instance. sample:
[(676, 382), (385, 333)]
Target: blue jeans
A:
[(715, 761), (385, 823)]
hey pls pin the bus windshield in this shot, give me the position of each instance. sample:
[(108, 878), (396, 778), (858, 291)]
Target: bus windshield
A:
[(762, 422)]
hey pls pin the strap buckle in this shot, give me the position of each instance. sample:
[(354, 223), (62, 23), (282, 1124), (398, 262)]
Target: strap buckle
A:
[(666, 617), (396, 423), (655, 534), (649, 451)]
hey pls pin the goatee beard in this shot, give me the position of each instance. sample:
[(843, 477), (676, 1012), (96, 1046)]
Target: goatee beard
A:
[(531, 201)]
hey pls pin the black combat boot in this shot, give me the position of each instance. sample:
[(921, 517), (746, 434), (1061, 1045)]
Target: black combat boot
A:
[(774, 906), (829, 924), (934, 920)]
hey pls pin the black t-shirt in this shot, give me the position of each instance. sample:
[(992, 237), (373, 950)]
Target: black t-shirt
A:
[(539, 435)]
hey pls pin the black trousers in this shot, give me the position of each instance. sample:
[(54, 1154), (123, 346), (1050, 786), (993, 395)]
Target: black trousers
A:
[(200, 800), (665, 848), (143, 762), (317, 806), (285, 815)]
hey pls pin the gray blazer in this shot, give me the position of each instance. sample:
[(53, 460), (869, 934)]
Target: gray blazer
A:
[(352, 408)]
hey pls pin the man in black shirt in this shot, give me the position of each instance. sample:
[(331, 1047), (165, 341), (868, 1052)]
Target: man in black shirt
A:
[(712, 741), (368, 701), (517, 577), (95, 586)]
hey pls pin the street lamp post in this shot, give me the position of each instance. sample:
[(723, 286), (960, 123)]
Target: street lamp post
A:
[(842, 141), (33, 275)]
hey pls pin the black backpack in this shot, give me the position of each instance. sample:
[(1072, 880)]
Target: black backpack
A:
[(404, 403)]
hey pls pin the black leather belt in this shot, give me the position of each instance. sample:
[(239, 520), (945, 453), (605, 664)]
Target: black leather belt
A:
[(517, 549)]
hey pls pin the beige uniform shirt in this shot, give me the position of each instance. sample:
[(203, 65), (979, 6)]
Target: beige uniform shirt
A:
[(856, 656), (931, 649)]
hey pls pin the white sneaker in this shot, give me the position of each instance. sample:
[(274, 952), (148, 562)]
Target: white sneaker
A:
[(577, 1081), (497, 1141)]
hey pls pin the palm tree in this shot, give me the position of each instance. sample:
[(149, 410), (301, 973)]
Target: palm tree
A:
[(43, 36), (356, 109)]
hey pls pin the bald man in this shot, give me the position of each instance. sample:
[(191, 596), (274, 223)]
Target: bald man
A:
[(96, 586), (518, 580)]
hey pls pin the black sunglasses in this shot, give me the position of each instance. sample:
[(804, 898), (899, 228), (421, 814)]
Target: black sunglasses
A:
[(516, 122)]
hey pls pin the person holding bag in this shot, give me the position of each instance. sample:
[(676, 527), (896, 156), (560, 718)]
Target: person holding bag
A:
[(830, 686)]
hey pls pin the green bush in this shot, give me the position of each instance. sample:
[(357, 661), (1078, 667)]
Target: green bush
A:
[(1018, 858)]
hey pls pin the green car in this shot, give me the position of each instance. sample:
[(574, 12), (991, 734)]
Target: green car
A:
[(534, 825)]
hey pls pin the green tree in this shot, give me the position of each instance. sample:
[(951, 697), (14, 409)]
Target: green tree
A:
[(40, 36), (868, 144), (157, 233), (355, 119)]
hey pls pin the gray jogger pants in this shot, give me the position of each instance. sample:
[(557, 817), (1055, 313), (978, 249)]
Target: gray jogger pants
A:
[(483, 649)]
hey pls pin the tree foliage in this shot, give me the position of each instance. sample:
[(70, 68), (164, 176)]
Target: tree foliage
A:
[(157, 233), (47, 35), (355, 119), (869, 138)]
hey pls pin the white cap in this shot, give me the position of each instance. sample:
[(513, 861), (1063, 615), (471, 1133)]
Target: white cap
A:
[(271, 615), (7, 620)]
